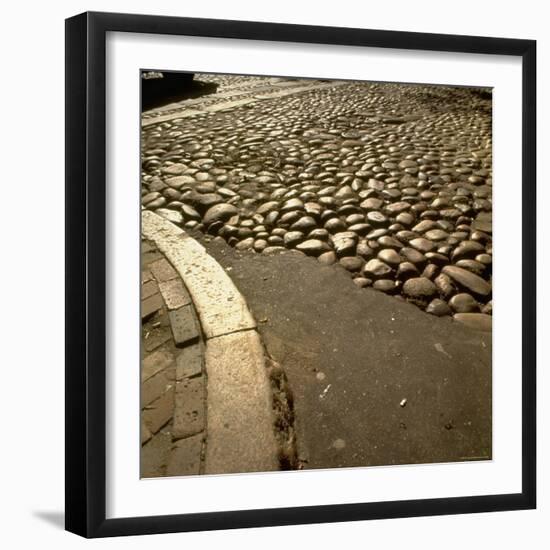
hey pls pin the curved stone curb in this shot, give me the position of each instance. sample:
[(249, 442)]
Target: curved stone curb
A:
[(239, 406), (222, 309), (240, 436)]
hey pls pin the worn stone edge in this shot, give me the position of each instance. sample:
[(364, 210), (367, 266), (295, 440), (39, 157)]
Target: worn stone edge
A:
[(240, 419), (220, 313)]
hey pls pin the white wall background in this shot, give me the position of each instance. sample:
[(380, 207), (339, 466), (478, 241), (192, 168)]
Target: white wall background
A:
[(31, 289)]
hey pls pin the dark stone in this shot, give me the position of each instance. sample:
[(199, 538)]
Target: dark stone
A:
[(406, 270), (422, 245), (271, 218), (360, 228), (344, 243), (438, 308), (467, 250), (202, 202), (444, 285), (436, 235), (476, 321), (327, 258), (473, 266), (184, 325), (335, 225), (304, 224), (292, 205), (352, 263), (385, 285), (267, 207), (419, 288), (468, 280), (313, 247), (397, 208), (377, 219), (430, 271), (389, 242), (412, 255), (376, 269), (437, 258), (292, 238), (365, 251), (463, 303), (189, 213), (362, 282), (389, 256), (219, 213)]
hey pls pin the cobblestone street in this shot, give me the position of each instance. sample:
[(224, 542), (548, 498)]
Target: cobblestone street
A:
[(391, 181), (354, 219)]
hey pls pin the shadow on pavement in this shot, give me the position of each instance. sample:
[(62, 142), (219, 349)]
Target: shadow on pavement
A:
[(172, 87)]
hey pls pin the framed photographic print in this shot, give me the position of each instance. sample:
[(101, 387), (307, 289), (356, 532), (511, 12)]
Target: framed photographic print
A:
[(300, 274)]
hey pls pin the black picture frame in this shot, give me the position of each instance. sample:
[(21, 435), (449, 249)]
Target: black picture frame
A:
[(86, 275)]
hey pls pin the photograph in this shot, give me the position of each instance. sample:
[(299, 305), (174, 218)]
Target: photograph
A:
[(316, 273), (262, 249)]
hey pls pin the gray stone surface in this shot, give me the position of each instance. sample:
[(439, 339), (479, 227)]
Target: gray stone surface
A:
[(239, 417), (477, 321), (184, 325)]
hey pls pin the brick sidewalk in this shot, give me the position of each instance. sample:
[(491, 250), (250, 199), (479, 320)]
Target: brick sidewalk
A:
[(172, 373)]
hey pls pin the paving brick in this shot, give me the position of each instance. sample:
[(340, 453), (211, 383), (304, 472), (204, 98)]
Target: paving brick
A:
[(147, 247), (174, 293), (185, 457), (146, 276), (145, 434), (155, 386), (189, 407), (184, 325), (156, 337), (154, 363), (162, 270), (155, 455), (150, 305), (160, 412), (189, 361), (149, 257), (148, 289)]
